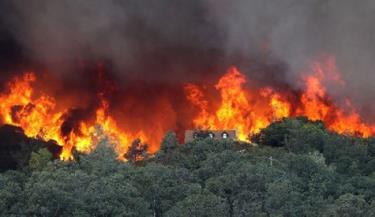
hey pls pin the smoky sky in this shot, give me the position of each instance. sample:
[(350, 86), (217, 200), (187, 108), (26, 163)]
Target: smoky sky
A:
[(176, 40), (153, 40)]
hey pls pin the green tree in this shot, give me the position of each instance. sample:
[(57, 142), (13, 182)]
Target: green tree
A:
[(199, 205), (11, 193), (349, 205), (167, 153), (371, 210), (242, 188), (283, 199), (162, 186), (40, 159)]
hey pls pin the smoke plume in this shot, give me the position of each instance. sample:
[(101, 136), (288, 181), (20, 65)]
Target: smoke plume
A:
[(148, 43)]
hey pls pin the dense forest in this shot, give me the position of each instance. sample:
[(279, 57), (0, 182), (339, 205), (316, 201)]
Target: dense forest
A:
[(294, 168)]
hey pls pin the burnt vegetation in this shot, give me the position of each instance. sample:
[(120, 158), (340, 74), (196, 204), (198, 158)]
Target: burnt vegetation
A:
[(294, 168)]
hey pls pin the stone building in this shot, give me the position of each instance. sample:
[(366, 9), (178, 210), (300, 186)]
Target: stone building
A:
[(191, 135)]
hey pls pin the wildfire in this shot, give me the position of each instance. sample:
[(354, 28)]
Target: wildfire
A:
[(317, 105), (240, 109), (39, 118), (240, 106), (248, 110)]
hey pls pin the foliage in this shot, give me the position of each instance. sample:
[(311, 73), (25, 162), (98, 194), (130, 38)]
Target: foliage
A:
[(40, 158), (298, 168)]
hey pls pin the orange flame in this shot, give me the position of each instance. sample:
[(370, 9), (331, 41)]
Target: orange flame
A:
[(237, 110), (250, 110), (317, 105), (38, 118), (241, 107)]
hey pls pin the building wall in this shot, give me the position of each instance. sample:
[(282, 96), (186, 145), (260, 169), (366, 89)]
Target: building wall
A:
[(189, 134)]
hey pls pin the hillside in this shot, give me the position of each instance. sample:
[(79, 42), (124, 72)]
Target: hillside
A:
[(296, 168)]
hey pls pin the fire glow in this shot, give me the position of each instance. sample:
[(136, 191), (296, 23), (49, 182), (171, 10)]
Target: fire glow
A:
[(239, 107)]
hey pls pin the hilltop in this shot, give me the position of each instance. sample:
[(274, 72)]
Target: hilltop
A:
[(298, 168)]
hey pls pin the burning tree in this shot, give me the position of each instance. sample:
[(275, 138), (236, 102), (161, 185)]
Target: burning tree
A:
[(137, 151)]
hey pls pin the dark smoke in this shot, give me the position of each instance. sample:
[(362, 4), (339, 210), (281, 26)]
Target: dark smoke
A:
[(162, 41), (158, 42), (298, 32)]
